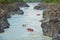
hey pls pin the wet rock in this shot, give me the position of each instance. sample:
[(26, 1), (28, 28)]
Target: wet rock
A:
[(41, 6), (17, 11), (49, 13), (1, 29), (6, 10), (3, 19), (8, 15), (51, 21), (14, 9), (4, 23), (22, 4), (56, 32), (11, 9), (46, 28)]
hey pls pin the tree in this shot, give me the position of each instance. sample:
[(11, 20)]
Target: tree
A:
[(50, 1), (10, 1)]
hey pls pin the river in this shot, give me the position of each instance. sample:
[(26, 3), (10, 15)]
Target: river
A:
[(18, 32)]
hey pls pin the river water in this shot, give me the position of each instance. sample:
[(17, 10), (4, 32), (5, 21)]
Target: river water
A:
[(18, 32)]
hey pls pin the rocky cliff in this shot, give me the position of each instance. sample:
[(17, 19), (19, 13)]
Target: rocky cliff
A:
[(6, 10), (51, 20)]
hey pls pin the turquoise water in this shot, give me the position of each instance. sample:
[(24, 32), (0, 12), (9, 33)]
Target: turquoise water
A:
[(18, 32)]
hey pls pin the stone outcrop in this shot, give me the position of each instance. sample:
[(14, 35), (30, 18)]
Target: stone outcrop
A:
[(12, 9), (21, 4), (17, 11), (6, 10), (1, 29), (51, 20), (3, 20), (43, 6)]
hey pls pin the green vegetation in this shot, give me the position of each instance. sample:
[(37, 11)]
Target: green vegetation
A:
[(51, 1), (18, 0), (47, 1), (10, 1), (32, 0)]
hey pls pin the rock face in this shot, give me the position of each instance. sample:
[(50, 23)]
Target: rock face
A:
[(3, 20), (4, 23), (56, 32), (22, 4), (41, 6), (1, 29), (51, 20), (13, 9), (17, 11), (48, 27), (6, 10)]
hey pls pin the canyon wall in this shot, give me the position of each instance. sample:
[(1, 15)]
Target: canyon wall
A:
[(51, 19)]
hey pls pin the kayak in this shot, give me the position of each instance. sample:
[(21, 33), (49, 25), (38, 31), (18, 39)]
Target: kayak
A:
[(24, 25)]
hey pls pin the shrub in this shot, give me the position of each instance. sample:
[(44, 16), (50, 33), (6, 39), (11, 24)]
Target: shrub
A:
[(51, 1), (10, 1)]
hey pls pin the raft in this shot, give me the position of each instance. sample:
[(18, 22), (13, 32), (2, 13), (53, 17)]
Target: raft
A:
[(38, 14), (30, 29)]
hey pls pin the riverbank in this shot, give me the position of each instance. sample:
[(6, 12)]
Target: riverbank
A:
[(6, 10), (43, 6), (51, 19)]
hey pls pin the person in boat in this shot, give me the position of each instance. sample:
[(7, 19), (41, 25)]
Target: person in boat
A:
[(38, 14), (24, 25), (30, 29)]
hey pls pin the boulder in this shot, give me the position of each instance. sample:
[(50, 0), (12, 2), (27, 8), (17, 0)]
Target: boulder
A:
[(4, 23), (14, 9), (56, 32), (21, 4), (1, 29), (3, 19), (41, 6), (46, 28), (51, 21)]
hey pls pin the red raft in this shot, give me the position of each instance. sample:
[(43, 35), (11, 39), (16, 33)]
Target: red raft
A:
[(30, 29), (38, 14)]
